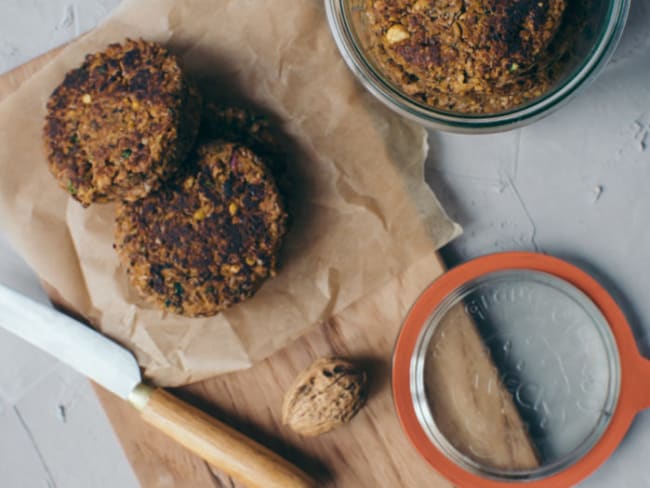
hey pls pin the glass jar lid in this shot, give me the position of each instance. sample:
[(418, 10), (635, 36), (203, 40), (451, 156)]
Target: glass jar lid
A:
[(511, 372), (537, 381)]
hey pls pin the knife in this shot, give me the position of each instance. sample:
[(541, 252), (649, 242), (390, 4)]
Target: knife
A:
[(116, 369)]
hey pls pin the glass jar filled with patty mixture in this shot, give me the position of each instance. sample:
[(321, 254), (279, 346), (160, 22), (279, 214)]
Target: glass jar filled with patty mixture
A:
[(472, 56), (476, 65)]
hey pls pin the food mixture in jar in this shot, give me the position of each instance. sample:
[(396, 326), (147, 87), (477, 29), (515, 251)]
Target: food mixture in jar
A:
[(472, 56)]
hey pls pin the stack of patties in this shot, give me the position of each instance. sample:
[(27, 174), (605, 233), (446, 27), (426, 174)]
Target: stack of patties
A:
[(198, 229)]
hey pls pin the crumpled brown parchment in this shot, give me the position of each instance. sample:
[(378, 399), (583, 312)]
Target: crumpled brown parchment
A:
[(362, 212)]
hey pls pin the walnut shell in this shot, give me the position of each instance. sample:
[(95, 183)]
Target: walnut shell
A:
[(327, 394)]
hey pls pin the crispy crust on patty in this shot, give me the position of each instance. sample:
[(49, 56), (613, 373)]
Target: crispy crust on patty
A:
[(473, 56), (209, 238), (121, 123), (252, 130)]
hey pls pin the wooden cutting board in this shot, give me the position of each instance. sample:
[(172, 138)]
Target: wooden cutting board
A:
[(371, 451)]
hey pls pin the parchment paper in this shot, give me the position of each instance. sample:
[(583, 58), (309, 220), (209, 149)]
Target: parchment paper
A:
[(361, 209)]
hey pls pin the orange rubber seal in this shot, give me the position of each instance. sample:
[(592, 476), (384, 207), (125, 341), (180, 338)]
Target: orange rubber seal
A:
[(634, 393)]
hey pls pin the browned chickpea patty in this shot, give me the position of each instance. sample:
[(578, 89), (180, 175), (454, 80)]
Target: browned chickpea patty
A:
[(209, 238), (249, 129), (121, 123)]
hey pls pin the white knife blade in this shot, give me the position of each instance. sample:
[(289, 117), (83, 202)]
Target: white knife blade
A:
[(70, 341), (115, 368)]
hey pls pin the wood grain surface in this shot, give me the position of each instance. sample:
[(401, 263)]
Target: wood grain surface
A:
[(220, 445), (371, 451)]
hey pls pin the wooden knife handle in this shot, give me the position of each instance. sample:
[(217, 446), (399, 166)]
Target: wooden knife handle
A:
[(220, 445)]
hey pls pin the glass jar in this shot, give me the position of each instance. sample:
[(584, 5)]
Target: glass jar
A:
[(349, 23)]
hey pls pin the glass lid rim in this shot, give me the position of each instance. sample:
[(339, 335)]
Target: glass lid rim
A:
[(634, 368), (597, 320)]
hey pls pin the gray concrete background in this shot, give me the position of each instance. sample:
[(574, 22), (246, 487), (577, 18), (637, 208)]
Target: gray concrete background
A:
[(574, 185)]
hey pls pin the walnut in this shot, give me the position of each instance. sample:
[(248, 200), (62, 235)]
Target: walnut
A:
[(397, 33), (327, 394)]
